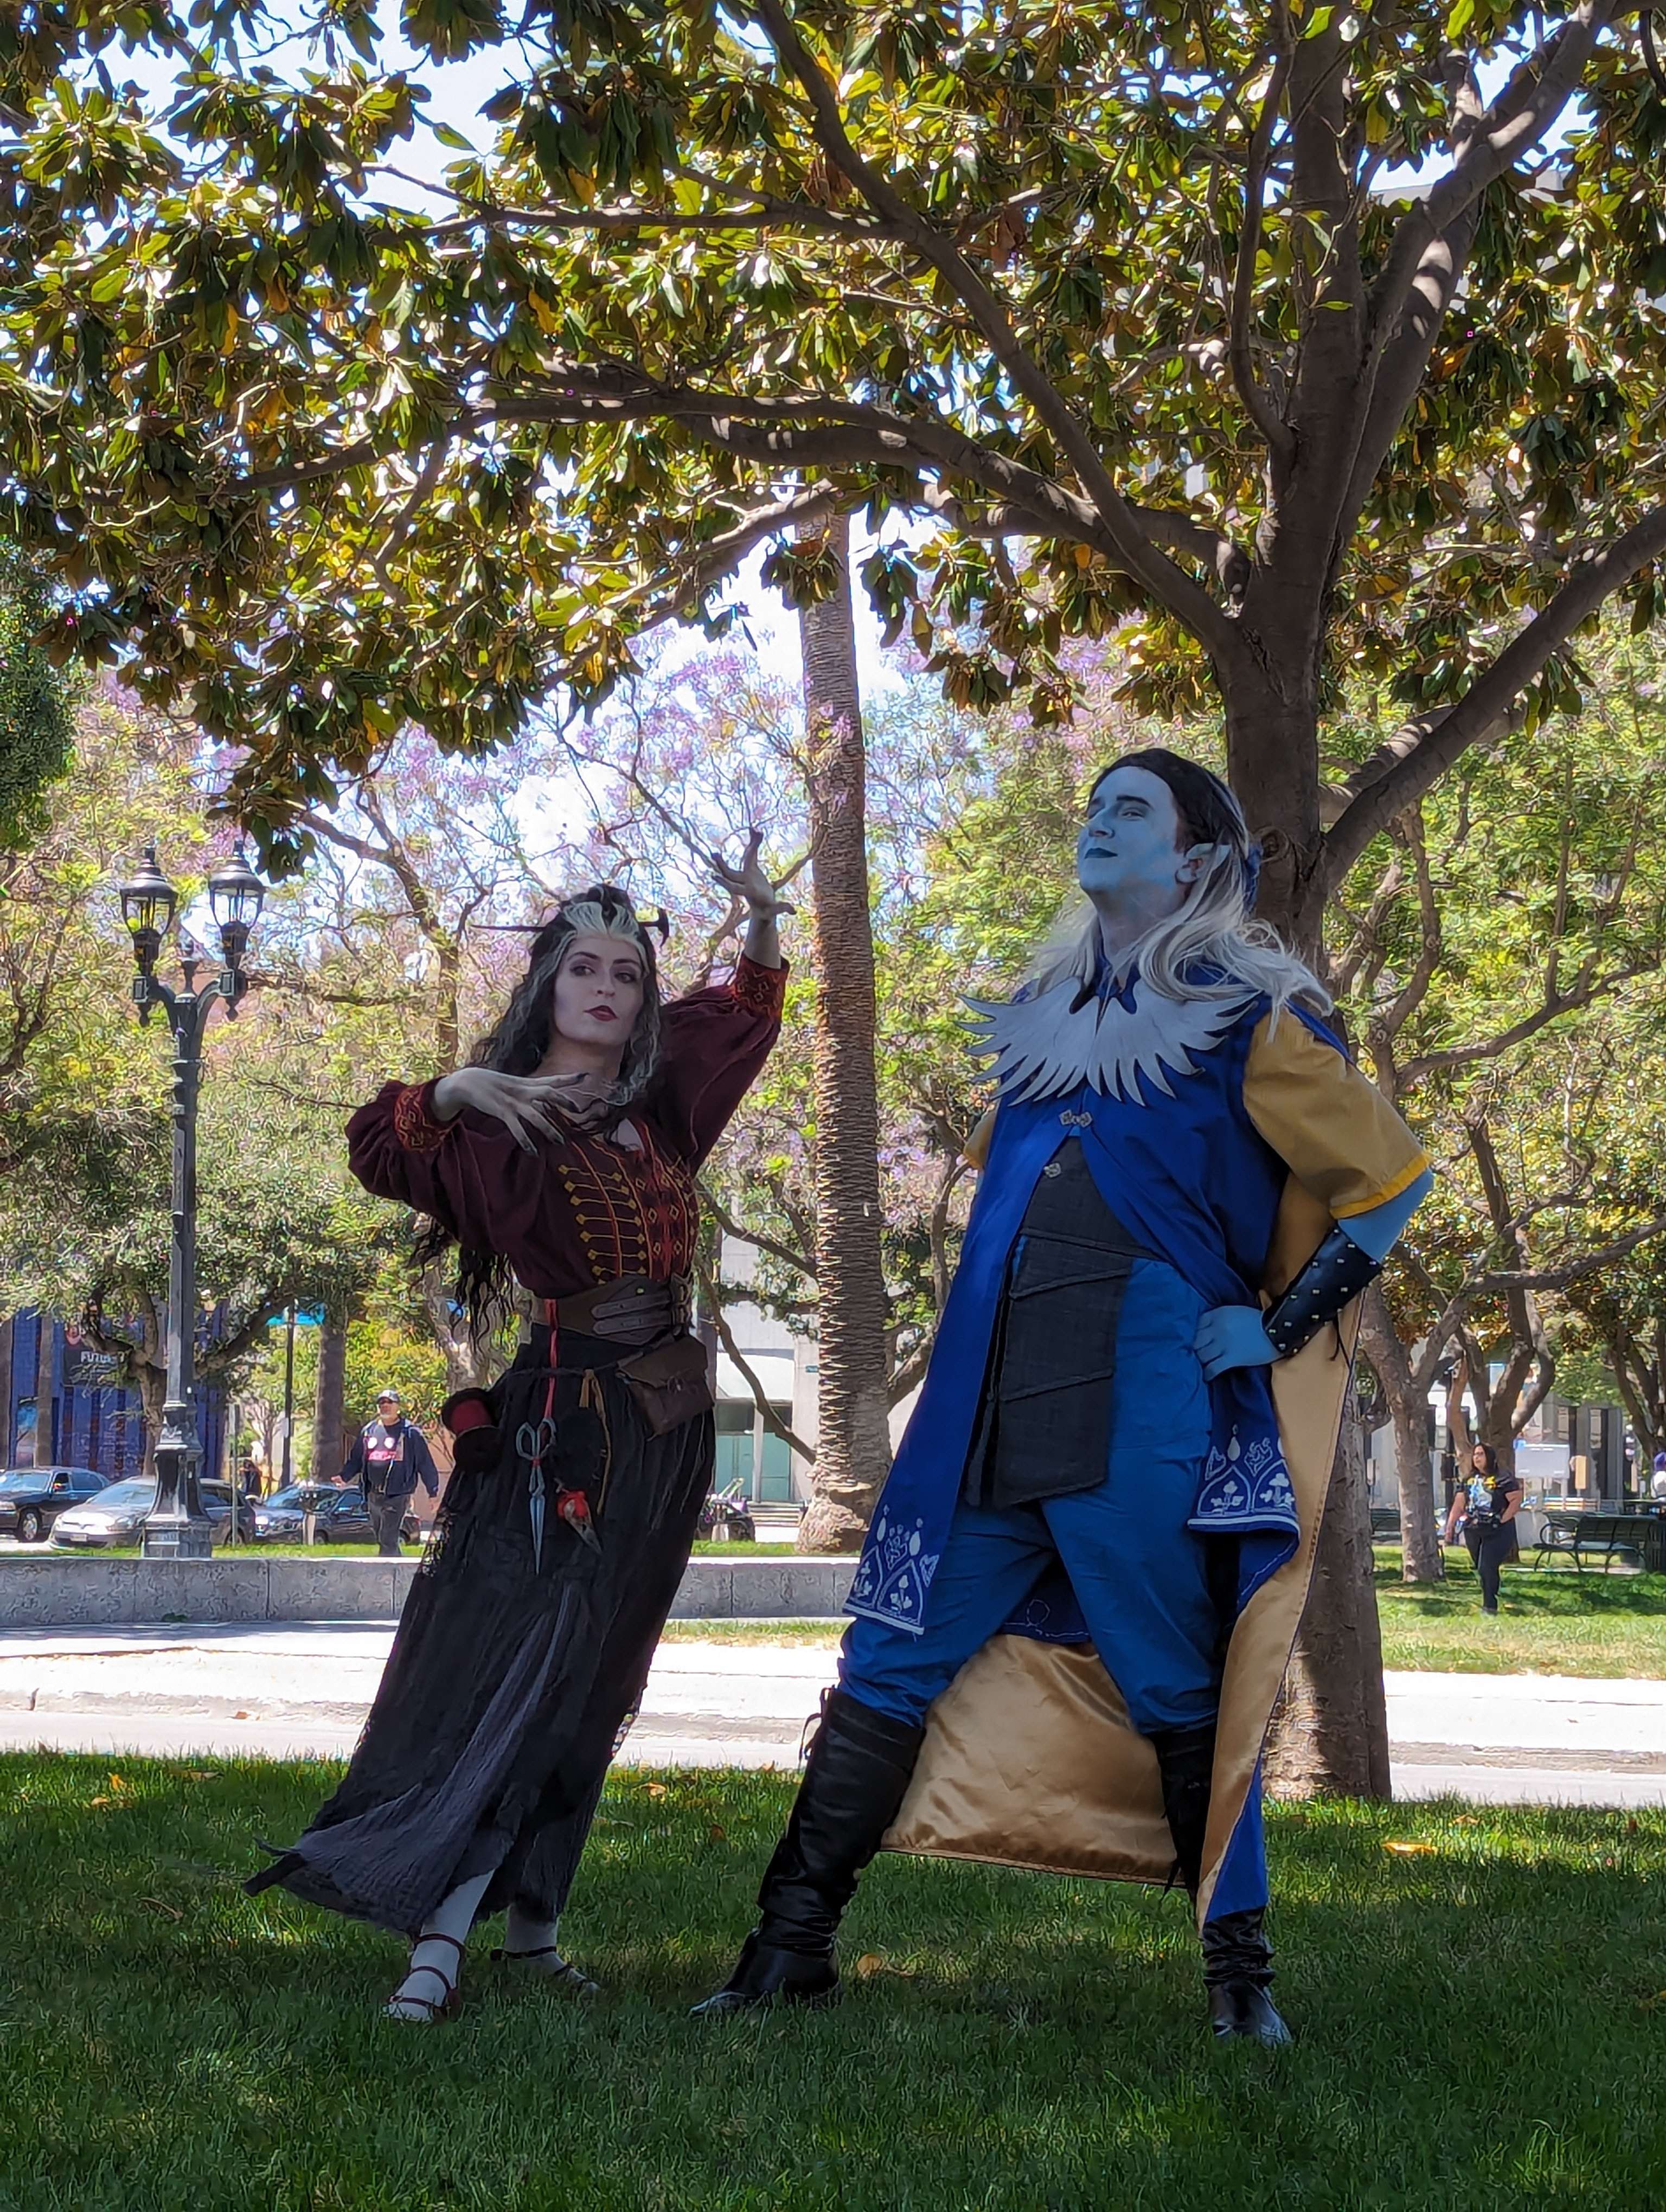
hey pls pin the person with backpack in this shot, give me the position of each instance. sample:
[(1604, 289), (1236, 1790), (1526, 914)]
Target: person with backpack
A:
[(389, 1457)]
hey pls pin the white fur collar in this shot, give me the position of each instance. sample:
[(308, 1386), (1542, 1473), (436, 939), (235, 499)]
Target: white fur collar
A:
[(1042, 1050)]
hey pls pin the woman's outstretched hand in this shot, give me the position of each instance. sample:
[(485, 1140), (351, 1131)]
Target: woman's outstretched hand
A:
[(751, 884), (528, 1106)]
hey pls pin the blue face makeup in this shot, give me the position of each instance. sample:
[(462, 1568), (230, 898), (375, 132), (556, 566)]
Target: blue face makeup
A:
[(1129, 841)]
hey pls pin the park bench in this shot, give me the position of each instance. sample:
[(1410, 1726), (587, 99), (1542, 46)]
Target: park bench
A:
[(1583, 1537)]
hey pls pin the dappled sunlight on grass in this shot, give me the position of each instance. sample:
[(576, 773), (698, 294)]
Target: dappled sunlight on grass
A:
[(1552, 1620), (1006, 2041)]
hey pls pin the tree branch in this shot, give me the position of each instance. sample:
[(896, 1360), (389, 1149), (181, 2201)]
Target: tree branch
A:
[(1274, 430), (1403, 768), (726, 1222), (1529, 103), (1572, 1271), (1555, 1003), (1169, 586), (772, 1420), (910, 1369)]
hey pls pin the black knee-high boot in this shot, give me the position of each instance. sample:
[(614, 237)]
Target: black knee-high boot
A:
[(855, 1780), (1238, 1958)]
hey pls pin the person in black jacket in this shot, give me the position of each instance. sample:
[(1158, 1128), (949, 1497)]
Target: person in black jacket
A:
[(388, 1458), (1484, 1514)]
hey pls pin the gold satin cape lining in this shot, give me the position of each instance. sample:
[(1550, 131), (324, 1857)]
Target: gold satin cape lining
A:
[(1029, 1759)]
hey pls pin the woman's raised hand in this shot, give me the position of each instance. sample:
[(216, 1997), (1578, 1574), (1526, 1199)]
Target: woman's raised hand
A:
[(750, 882), (528, 1105)]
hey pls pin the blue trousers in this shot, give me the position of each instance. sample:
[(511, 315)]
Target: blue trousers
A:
[(1138, 1572)]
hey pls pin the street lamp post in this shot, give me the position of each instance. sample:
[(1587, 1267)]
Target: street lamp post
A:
[(176, 1526)]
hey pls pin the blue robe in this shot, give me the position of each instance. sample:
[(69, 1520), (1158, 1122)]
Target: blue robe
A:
[(1187, 1171)]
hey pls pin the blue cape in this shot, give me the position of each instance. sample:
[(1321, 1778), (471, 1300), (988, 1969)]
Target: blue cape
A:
[(1197, 1184)]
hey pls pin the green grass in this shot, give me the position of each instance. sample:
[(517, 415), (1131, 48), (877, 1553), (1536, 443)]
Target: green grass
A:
[(1481, 2023), (826, 1632), (1551, 1620)]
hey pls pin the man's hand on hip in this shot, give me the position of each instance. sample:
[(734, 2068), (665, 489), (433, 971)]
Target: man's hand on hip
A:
[(1232, 1336)]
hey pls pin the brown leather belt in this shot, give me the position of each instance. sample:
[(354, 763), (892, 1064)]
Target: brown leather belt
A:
[(632, 1310)]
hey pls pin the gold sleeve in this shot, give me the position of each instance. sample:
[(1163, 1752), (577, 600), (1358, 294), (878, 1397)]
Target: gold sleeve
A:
[(1330, 1125), (976, 1147)]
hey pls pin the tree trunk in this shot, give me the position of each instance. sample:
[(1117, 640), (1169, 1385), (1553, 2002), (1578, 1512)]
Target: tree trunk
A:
[(1408, 1408), (853, 1452), (468, 1365), (329, 1399), (152, 1381), (1330, 1729)]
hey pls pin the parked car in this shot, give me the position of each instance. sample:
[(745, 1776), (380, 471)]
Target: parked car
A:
[(342, 1518), (32, 1497), (116, 1515)]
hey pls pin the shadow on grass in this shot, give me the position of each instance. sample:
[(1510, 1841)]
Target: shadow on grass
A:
[(1476, 1991)]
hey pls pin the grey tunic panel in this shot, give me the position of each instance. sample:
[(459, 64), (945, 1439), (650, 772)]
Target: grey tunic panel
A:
[(1044, 1426)]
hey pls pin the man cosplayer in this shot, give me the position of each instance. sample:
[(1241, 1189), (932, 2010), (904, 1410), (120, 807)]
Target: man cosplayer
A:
[(1085, 1575)]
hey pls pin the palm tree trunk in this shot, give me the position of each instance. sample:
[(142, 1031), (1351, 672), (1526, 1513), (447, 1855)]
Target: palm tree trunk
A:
[(852, 1450)]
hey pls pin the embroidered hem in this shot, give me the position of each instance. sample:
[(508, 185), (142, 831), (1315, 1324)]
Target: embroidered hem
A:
[(413, 1124), (1246, 1488)]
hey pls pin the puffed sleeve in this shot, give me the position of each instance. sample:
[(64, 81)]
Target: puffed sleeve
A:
[(713, 1045), (397, 1149), (1330, 1125)]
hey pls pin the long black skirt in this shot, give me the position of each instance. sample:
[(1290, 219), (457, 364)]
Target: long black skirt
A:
[(514, 1667)]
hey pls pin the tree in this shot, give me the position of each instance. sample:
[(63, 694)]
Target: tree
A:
[(36, 712), (1124, 299), (1493, 953), (990, 271), (83, 1091), (852, 1448)]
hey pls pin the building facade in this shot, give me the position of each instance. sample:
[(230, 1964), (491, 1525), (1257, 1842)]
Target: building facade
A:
[(61, 1403)]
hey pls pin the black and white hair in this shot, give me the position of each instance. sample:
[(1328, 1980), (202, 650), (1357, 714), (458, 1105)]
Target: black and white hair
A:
[(516, 1045), (1211, 947), (518, 1042)]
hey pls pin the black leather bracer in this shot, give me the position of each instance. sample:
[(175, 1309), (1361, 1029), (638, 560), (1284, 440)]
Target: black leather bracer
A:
[(1336, 1274)]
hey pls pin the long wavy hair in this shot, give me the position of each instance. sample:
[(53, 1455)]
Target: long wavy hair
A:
[(516, 1044), (1211, 947)]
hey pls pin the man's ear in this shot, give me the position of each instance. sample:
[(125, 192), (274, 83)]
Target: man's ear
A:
[(1193, 863)]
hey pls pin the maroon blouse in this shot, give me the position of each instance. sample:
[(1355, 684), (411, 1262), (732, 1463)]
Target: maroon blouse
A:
[(581, 1209)]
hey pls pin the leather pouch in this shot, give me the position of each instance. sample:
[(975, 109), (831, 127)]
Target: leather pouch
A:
[(671, 1382)]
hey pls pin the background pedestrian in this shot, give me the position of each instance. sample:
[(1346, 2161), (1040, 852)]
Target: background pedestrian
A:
[(1484, 1514), (389, 1458)]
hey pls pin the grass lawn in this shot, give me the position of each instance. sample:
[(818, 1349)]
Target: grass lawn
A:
[(1551, 1620), (1479, 1998)]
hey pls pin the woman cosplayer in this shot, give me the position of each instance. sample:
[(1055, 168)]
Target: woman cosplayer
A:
[(564, 1156), (1076, 1602)]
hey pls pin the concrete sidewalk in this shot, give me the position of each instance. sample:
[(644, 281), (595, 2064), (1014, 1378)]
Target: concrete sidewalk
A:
[(269, 1689)]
